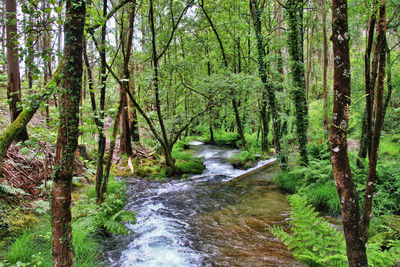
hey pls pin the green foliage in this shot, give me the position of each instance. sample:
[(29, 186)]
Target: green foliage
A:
[(316, 182), (223, 138), (112, 216), (193, 166), (90, 220), (33, 247), (315, 242), (245, 159)]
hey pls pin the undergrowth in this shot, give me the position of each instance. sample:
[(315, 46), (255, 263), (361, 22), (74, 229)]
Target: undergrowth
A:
[(90, 222), (316, 243), (316, 182)]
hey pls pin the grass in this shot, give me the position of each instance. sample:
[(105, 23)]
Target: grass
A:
[(33, 246), (244, 159), (192, 166)]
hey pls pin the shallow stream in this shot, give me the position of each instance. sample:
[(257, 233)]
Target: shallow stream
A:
[(204, 220)]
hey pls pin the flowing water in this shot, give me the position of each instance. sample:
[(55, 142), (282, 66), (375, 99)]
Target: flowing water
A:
[(204, 220)]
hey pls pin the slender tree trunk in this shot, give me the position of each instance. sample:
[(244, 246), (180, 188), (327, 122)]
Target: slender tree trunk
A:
[(389, 82), (268, 87), (366, 127), (67, 140), (225, 60), (169, 160), (14, 82), (373, 159), (102, 138), (298, 74), (355, 243), (264, 125), (325, 74), (107, 168), (125, 139)]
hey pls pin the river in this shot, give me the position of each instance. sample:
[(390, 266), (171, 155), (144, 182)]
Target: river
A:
[(204, 220)]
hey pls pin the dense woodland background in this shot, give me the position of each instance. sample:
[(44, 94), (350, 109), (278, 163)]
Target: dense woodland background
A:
[(269, 77)]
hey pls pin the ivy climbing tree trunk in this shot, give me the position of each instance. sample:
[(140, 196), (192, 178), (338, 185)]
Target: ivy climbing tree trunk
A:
[(14, 81), (67, 139), (269, 88), (295, 45), (355, 243)]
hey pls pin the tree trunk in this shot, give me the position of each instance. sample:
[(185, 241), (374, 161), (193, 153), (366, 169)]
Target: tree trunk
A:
[(298, 75), (366, 127), (125, 138), (14, 82), (373, 158), (325, 73), (389, 82), (264, 125), (110, 153), (102, 138), (355, 243), (26, 115), (170, 162), (67, 140), (238, 122), (268, 86)]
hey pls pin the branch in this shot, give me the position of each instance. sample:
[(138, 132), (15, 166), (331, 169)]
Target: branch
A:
[(109, 15), (174, 29), (123, 85)]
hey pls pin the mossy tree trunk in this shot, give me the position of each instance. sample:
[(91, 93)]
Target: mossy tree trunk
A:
[(14, 81), (294, 10), (12, 131), (355, 243), (67, 139), (268, 86)]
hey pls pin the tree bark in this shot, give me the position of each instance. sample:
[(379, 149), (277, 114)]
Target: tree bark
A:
[(129, 123), (325, 71), (268, 86), (67, 140), (14, 82), (110, 153), (355, 243), (373, 158), (102, 138), (366, 127), (295, 40)]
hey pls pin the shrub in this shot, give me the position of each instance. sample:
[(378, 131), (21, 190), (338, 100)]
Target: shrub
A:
[(316, 243)]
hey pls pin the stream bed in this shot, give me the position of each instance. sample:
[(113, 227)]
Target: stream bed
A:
[(204, 220)]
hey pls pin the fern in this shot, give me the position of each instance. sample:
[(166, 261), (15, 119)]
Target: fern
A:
[(316, 243), (6, 189), (112, 216)]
